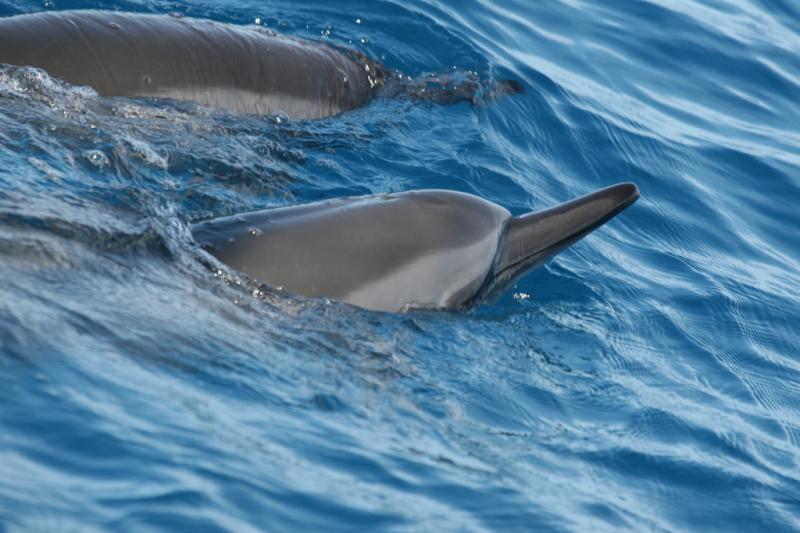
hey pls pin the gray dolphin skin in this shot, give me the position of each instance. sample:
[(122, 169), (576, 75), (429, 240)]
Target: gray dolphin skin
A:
[(430, 249), (244, 69)]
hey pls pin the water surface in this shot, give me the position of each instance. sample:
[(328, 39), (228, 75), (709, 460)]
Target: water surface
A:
[(647, 379)]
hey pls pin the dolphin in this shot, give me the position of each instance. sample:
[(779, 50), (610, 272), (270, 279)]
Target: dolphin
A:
[(429, 249), (244, 69)]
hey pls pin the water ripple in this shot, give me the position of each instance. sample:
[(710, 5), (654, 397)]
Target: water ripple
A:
[(647, 378)]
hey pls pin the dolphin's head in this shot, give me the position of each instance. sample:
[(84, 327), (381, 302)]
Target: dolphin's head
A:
[(431, 249)]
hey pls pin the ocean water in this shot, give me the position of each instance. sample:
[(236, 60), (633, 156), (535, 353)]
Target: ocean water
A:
[(646, 379)]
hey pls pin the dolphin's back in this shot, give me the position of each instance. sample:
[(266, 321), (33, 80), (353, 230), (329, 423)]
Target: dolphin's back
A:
[(428, 249), (249, 70)]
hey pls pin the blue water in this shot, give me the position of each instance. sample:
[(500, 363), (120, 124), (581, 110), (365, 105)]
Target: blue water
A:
[(647, 379)]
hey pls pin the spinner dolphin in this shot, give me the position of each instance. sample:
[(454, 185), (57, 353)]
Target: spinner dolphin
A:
[(244, 69), (431, 249), (250, 70)]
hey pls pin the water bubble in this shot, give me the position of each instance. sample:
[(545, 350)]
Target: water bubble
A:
[(327, 163), (280, 117), (97, 158), (258, 21), (358, 21), (144, 151)]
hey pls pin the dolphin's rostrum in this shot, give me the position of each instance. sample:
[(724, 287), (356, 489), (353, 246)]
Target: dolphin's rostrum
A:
[(392, 252)]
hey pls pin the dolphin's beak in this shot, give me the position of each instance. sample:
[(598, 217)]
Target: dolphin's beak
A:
[(530, 240)]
